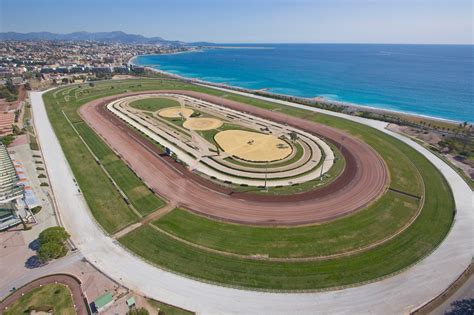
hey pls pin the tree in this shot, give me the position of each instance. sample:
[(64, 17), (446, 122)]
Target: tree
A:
[(55, 234), (51, 250), (36, 209), (11, 87), (52, 243)]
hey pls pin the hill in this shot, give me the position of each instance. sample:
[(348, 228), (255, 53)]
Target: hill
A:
[(108, 37)]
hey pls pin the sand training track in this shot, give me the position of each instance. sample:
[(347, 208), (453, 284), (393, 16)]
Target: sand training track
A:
[(364, 179), (202, 123), (175, 112), (253, 146)]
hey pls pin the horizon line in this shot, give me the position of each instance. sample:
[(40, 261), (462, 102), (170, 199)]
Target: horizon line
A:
[(251, 42)]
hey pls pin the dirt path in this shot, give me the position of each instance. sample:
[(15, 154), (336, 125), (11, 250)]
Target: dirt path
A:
[(364, 179), (144, 221)]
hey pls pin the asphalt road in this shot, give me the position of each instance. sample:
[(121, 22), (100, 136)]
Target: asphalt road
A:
[(394, 295)]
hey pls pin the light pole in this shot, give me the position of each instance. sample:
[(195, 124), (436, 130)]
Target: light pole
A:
[(340, 143), (266, 175)]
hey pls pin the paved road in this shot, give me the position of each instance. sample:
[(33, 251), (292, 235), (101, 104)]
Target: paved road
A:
[(394, 295)]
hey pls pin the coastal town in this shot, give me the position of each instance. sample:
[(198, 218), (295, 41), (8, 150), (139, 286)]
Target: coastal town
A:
[(57, 60)]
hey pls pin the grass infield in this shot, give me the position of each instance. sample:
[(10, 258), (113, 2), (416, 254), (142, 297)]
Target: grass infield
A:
[(55, 296), (154, 104)]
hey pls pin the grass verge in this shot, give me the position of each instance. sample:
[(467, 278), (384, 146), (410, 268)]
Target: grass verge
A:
[(50, 296)]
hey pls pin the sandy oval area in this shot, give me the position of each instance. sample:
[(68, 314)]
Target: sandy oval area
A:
[(253, 146), (202, 123), (174, 112)]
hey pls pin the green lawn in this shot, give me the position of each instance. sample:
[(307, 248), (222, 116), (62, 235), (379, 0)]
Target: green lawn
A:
[(166, 309), (384, 217), (56, 296), (154, 104)]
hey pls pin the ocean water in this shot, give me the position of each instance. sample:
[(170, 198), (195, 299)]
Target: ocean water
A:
[(432, 80)]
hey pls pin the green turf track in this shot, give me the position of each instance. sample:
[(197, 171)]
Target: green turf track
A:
[(139, 195), (385, 217)]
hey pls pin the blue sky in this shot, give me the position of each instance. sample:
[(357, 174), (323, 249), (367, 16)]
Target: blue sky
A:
[(252, 21)]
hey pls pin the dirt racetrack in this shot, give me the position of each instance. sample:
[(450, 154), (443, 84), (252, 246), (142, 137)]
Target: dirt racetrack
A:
[(364, 178)]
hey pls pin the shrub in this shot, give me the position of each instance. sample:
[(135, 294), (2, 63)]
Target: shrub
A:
[(36, 209), (41, 176), (6, 140), (44, 185), (138, 311)]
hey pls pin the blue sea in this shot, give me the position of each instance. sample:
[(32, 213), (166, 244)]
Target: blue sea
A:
[(431, 80)]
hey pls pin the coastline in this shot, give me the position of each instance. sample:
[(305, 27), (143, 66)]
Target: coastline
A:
[(349, 106), (130, 62)]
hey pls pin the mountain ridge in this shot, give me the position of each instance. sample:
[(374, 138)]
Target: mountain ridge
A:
[(108, 37)]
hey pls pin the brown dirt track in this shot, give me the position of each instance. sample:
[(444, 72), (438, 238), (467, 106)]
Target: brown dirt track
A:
[(363, 180)]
